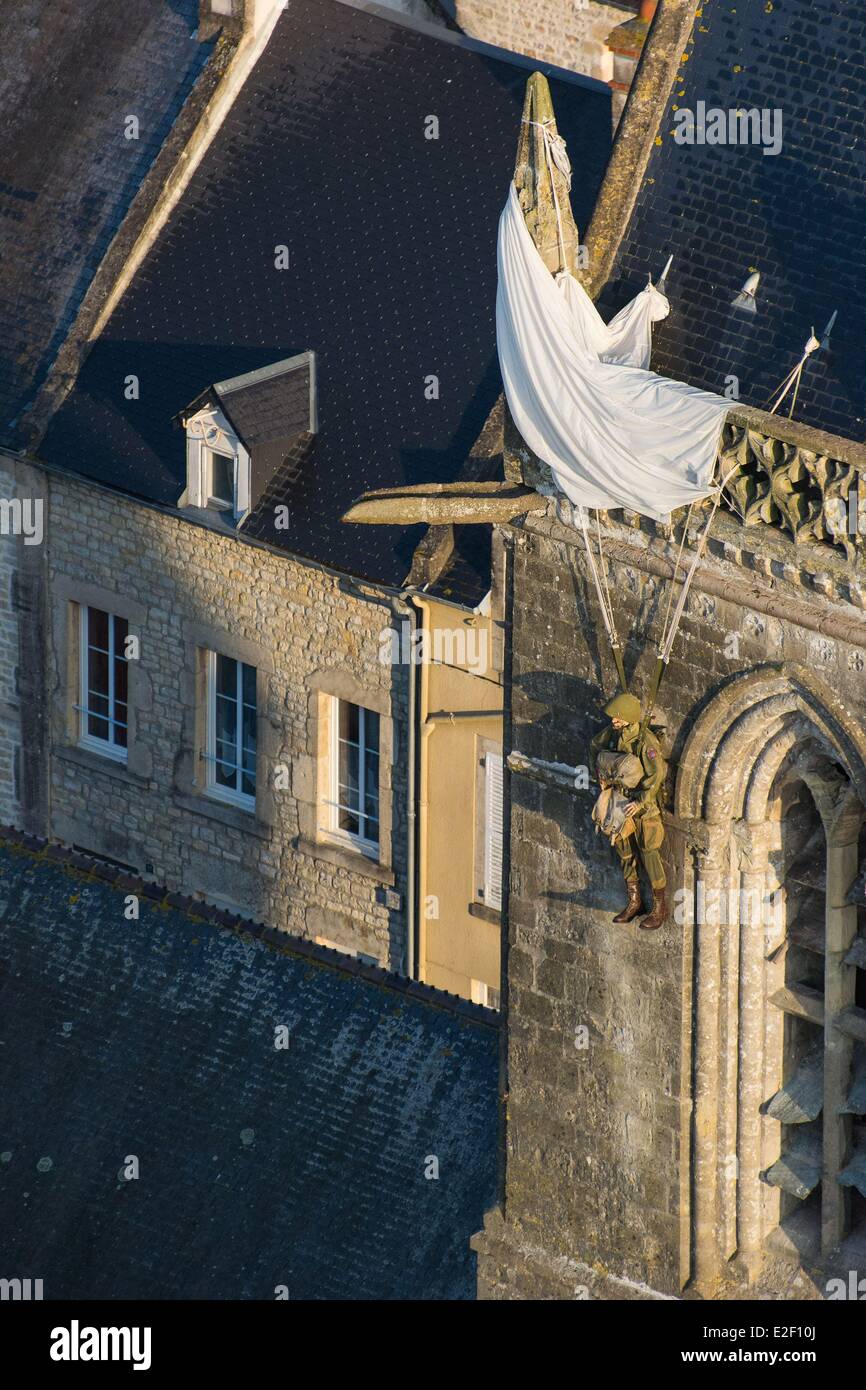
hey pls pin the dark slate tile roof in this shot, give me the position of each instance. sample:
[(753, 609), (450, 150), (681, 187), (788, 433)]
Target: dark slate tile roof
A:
[(69, 76), (258, 1167), (798, 217), (295, 463), (466, 578), (392, 274)]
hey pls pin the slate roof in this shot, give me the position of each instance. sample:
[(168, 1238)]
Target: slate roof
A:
[(392, 273), (466, 578), (258, 1167), (69, 76), (295, 463), (797, 217)]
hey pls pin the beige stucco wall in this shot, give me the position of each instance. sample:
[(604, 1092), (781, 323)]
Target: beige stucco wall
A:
[(457, 946)]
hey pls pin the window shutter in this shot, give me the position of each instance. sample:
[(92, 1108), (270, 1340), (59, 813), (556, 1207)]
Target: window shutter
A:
[(493, 831)]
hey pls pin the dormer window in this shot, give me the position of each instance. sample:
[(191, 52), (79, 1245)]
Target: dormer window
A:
[(218, 465), (244, 432)]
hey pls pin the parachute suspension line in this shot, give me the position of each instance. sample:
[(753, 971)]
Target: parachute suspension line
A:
[(665, 649), (603, 600), (672, 622), (603, 566), (661, 660), (670, 632), (606, 612), (687, 583), (676, 571)]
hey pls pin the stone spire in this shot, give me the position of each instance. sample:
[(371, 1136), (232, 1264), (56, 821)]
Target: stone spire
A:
[(532, 178)]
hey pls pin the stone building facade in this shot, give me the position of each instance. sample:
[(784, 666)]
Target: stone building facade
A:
[(23, 701), (185, 589), (185, 414)]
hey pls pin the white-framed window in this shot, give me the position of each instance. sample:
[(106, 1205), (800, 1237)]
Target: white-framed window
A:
[(220, 480), (485, 994), (354, 776), (218, 465), (493, 831), (230, 754), (103, 710)]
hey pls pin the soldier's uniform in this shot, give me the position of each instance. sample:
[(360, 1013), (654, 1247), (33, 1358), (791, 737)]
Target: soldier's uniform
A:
[(645, 834)]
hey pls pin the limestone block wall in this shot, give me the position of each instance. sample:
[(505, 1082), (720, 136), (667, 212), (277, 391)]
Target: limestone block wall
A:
[(570, 33), (184, 588), (23, 546), (10, 718), (606, 1193)]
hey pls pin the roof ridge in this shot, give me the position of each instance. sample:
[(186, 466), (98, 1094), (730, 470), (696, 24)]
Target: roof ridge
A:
[(460, 39), (635, 137)]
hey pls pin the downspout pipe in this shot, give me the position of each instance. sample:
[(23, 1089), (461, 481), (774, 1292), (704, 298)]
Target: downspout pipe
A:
[(412, 802), (423, 616)]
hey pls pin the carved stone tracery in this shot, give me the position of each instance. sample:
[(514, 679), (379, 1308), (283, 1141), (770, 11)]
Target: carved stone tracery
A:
[(765, 731), (782, 483)]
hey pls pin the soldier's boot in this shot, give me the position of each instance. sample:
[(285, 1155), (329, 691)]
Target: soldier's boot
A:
[(658, 916), (634, 906)]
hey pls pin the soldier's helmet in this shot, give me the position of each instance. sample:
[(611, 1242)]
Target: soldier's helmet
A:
[(625, 707)]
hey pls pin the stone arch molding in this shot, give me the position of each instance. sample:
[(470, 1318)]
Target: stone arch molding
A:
[(740, 739), (762, 724)]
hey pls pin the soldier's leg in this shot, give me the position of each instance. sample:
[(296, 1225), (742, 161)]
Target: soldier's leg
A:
[(652, 862), (651, 834), (627, 850)]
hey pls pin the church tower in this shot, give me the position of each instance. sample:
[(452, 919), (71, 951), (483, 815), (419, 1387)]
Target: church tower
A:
[(684, 1111)]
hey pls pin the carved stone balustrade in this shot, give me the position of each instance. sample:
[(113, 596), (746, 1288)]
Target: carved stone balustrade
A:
[(810, 484)]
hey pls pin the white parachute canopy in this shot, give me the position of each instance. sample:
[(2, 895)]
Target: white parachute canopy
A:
[(613, 433)]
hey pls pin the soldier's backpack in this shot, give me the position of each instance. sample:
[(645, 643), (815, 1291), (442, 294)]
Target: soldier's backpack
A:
[(609, 814), (624, 769)]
